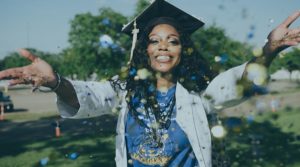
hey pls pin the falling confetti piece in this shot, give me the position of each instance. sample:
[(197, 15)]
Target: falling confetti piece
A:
[(105, 41), (257, 73), (257, 52), (73, 156), (250, 118), (44, 161), (218, 131), (266, 40), (250, 35), (143, 73), (106, 21), (217, 58)]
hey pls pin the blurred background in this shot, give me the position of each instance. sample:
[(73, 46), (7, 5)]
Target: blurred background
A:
[(82, 40)]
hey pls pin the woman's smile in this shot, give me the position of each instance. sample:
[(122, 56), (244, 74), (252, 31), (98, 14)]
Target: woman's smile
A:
[(163, 58)]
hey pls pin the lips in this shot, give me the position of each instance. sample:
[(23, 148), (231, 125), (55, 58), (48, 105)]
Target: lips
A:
[(163, 58)]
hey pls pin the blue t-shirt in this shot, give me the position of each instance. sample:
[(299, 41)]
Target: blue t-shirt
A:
[(143, 151)]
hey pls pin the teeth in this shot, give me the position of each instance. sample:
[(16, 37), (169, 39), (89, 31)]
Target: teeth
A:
[(164, 58)]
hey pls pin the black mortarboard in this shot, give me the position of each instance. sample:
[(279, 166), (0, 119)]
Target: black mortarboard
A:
[(161, 8)]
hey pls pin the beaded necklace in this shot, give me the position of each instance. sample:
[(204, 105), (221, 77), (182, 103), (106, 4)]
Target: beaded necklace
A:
[(155, 123)]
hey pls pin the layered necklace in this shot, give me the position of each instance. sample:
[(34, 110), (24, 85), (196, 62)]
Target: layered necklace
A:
[(156, 124)]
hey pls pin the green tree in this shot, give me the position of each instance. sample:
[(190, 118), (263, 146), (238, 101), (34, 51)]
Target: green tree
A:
[(13, 59), (86, 54), (221, 51), (140, 6), (289, 61)]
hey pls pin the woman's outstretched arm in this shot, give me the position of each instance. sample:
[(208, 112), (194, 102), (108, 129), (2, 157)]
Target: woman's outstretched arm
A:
[(40, 73), (235, 85)]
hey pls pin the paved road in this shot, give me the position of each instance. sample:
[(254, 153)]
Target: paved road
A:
[(24, 99)]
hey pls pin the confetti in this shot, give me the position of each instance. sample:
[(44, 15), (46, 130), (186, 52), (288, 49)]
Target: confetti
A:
[(218, 107), (250, 118), (224, 58), (257, 52), (190, 51), (73, 156), (257, 73), (105, 41), (143, 73), (218, 131), (250, 35), (221, 7), (44, 161), (266, 40), (217, 58), (105, 21), (132, 72)]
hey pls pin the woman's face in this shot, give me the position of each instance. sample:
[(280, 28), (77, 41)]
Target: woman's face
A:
[(164, 48)]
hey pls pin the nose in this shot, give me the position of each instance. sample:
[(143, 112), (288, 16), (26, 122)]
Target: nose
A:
[(163, 45)]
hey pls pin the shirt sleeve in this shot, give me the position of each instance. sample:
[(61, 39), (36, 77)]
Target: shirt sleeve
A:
[(223, 90), (95, 99)]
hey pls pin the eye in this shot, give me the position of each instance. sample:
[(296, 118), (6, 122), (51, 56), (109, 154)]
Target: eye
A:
[(153, 41), (174, 41)]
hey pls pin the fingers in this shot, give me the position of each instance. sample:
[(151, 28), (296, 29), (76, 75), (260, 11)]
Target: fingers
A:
[(287, 22), (17, 81), (11, 73), (294, 31), (292, 37), (290, 43), (25, 53)]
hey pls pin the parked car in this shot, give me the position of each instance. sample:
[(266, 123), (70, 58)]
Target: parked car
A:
[(7, 102)]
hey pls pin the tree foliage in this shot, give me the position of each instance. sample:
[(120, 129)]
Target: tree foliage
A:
[(13, 59), (221, 51), (87, 55), (289, 61), (140, 6)]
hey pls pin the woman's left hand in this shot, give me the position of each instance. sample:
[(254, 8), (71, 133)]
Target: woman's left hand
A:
[(282, 36)]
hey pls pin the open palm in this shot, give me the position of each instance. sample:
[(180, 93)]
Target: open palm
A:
[(282, 36), (38, 73)]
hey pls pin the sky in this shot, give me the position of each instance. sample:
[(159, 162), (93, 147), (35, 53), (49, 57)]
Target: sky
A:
[(44, 24)]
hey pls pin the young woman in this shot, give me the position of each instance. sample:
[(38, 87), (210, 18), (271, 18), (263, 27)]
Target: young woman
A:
[(164, 100)]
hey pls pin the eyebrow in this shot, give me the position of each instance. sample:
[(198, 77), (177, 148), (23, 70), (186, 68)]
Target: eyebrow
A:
[(170, 35)]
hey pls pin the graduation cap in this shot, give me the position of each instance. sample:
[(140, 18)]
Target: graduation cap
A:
[(161, 9)]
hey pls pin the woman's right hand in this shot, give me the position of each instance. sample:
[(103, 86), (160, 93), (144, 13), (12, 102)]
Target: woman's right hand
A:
[(38, 73)]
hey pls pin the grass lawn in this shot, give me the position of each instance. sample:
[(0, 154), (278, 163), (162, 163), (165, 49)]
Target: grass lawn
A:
[(270, 140), (85, 142)]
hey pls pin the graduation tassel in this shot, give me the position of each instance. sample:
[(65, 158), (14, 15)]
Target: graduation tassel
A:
[(135, 31)]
